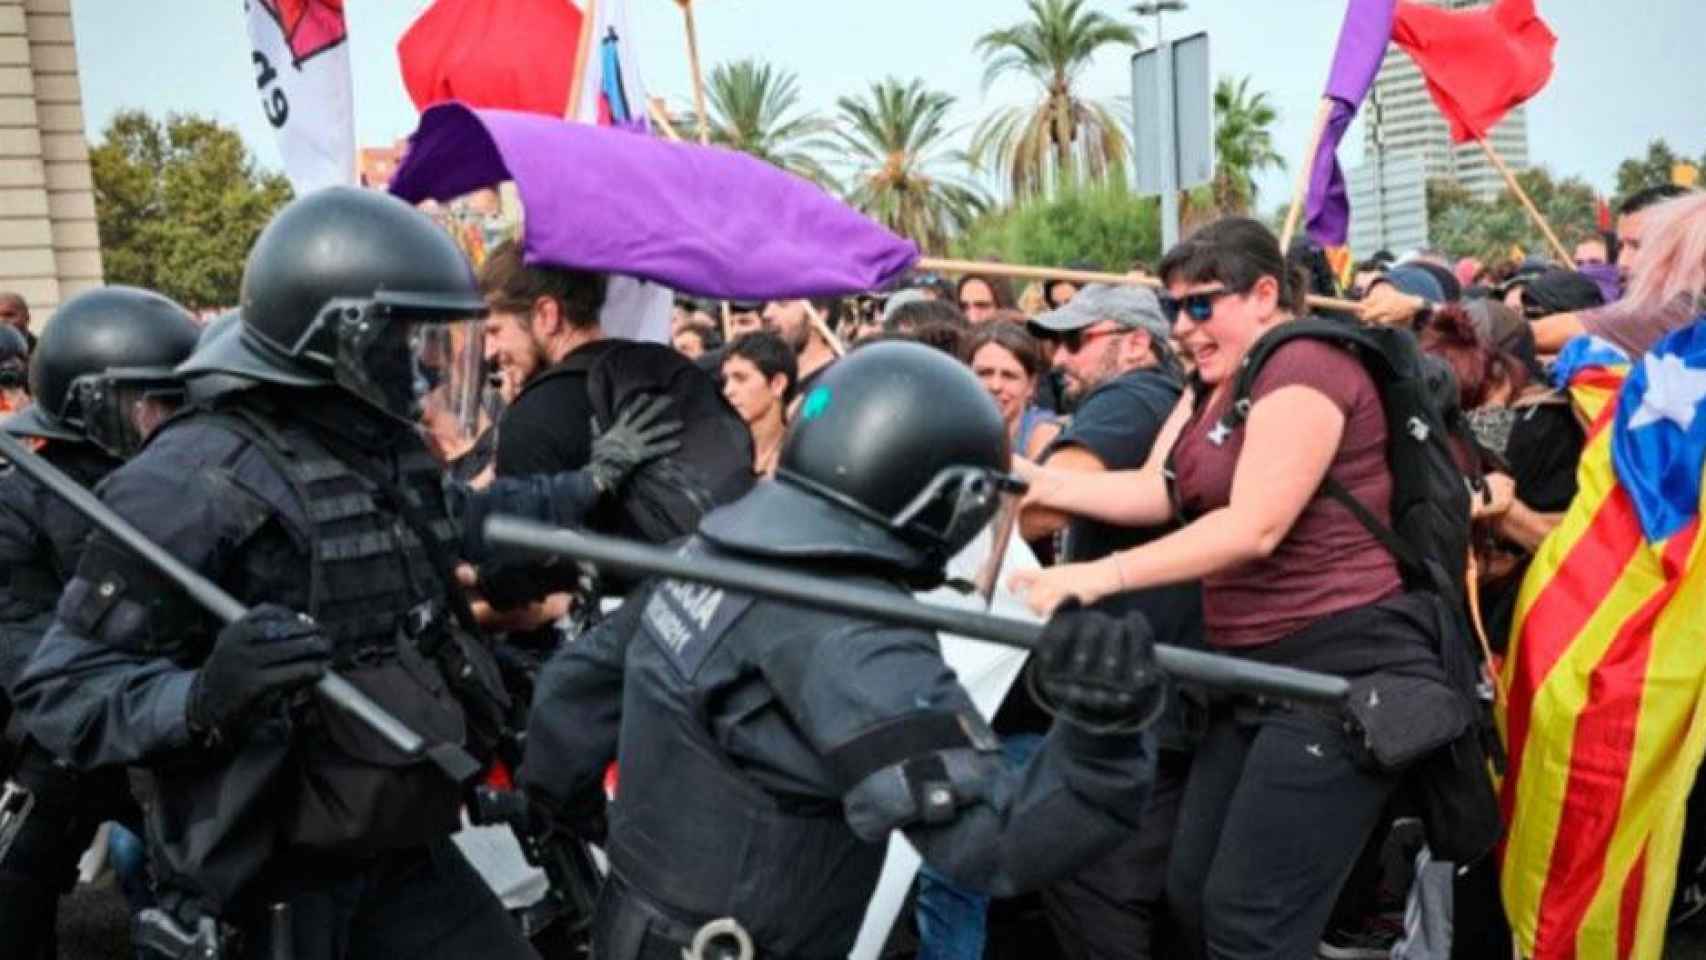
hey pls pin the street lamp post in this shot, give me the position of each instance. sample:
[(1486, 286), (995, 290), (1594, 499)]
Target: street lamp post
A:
[(1169, 145)]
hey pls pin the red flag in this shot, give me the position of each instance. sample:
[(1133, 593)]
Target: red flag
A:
[(506, 54), (1478, 63), (1602, 214)]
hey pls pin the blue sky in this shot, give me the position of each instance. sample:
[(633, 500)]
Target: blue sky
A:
[(1626, 72)]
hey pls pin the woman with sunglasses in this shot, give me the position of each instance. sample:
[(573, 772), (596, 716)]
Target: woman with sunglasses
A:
[(1277, 808)]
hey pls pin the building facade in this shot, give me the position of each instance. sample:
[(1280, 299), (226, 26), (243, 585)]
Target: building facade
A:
[(50, 248), (1405, 139)]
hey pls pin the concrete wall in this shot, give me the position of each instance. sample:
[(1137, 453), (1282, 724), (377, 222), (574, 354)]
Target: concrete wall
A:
[(49, 247)]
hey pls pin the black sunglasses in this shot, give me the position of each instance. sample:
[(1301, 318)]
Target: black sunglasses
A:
[(1198, 306)]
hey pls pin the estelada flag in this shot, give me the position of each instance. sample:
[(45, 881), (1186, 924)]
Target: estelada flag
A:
[(1478, 63), (1606, 717)]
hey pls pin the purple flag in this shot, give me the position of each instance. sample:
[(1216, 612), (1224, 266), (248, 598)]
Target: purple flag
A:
[(701, 220), (1362, 43)]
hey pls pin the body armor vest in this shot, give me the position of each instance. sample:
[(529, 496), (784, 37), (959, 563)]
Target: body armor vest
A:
[(694, 836)]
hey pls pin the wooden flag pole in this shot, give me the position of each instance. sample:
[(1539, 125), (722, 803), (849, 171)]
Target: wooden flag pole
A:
[(589, 26), (654, 106), (1527, 204), (1019, 272), (1305, 172), (698, 75)]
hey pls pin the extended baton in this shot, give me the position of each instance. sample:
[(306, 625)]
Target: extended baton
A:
[(1230, 673), (448, 757)]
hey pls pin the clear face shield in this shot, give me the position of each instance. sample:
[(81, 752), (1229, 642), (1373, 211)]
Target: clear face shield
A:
[(119, 409), (972, 512), (421, 366)]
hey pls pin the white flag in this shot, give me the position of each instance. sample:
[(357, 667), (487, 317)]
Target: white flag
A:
[(300, 53), (612, 94)]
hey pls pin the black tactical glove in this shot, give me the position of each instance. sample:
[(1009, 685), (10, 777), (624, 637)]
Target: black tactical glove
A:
[(268, 653), (639, 436), (1098, 671)]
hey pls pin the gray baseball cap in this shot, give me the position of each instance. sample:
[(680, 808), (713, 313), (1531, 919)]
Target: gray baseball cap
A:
[(1134, 308)]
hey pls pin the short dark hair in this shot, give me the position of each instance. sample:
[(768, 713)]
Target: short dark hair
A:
[(946, 337), (710, 338), (1650, 197), (1010, 337), (770, 354), (921, 313), (508, 283), (1237, 252)]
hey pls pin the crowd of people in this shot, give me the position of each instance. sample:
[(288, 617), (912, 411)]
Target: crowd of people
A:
[(1202, 463)]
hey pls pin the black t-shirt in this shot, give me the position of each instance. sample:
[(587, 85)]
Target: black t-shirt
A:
[(1119, 422), (548, 429)]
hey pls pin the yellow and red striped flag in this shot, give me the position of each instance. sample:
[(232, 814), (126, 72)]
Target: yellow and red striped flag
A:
[(1606, 674)]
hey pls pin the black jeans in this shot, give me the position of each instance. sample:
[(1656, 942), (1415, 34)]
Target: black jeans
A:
[(421, 904), (1274, 815)]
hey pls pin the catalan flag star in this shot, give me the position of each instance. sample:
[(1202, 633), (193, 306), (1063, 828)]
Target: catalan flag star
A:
[(1674, 392)]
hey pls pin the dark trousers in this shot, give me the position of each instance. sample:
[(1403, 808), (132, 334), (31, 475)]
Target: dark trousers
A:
[(1116, 908), (421, 904), (39, 864), (1274, 815)]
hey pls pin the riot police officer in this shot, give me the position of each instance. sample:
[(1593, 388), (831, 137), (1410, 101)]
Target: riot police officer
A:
[(102, 377), (276, 823), (767, 750)]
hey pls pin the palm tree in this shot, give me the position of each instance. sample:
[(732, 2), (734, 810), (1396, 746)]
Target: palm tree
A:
[(1063, 132), (893, 137), (752, 107), (1243, 144)]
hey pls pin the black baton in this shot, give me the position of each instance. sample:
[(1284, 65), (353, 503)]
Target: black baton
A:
[(1209, 669)]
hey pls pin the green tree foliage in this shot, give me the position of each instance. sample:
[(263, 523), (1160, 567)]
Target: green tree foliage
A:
[(754, 109), (1102, 223), (1063, 135), (178, 205), (1243, 144), (904, 176), (1654, 169), (1462, 225)]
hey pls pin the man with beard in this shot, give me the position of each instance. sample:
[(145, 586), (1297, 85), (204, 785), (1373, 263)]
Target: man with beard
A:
[(1119, 371), (793, 321)]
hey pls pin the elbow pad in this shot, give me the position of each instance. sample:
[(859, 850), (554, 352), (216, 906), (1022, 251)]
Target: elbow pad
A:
[(917, 769)]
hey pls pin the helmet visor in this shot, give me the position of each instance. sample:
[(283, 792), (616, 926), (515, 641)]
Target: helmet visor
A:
[(118, 413), (972, 513), (427, 369)]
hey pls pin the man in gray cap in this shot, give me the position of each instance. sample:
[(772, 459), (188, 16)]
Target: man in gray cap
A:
[(1119, 368)]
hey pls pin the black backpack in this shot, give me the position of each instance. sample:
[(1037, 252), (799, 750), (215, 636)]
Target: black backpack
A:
[(665, 499), (1429, 533)]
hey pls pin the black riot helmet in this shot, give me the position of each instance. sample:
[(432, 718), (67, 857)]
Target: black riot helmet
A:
[(14, 358), (356, 289), (201, 385), (897, 457), (104, 352)]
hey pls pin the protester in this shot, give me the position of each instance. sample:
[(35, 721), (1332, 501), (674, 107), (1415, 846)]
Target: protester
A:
[(1008, 362), (745, 316), (1278, 806), (804, 325), (15, 313), (1126, 387), (910, 314), (1591, 253), (758, 379), (1532, 440), (14, 370), (694, 340), (1645, 315), (980, 296), (1401, 296)]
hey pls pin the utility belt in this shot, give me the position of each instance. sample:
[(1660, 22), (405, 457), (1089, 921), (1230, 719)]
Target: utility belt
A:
[(628, 927)]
